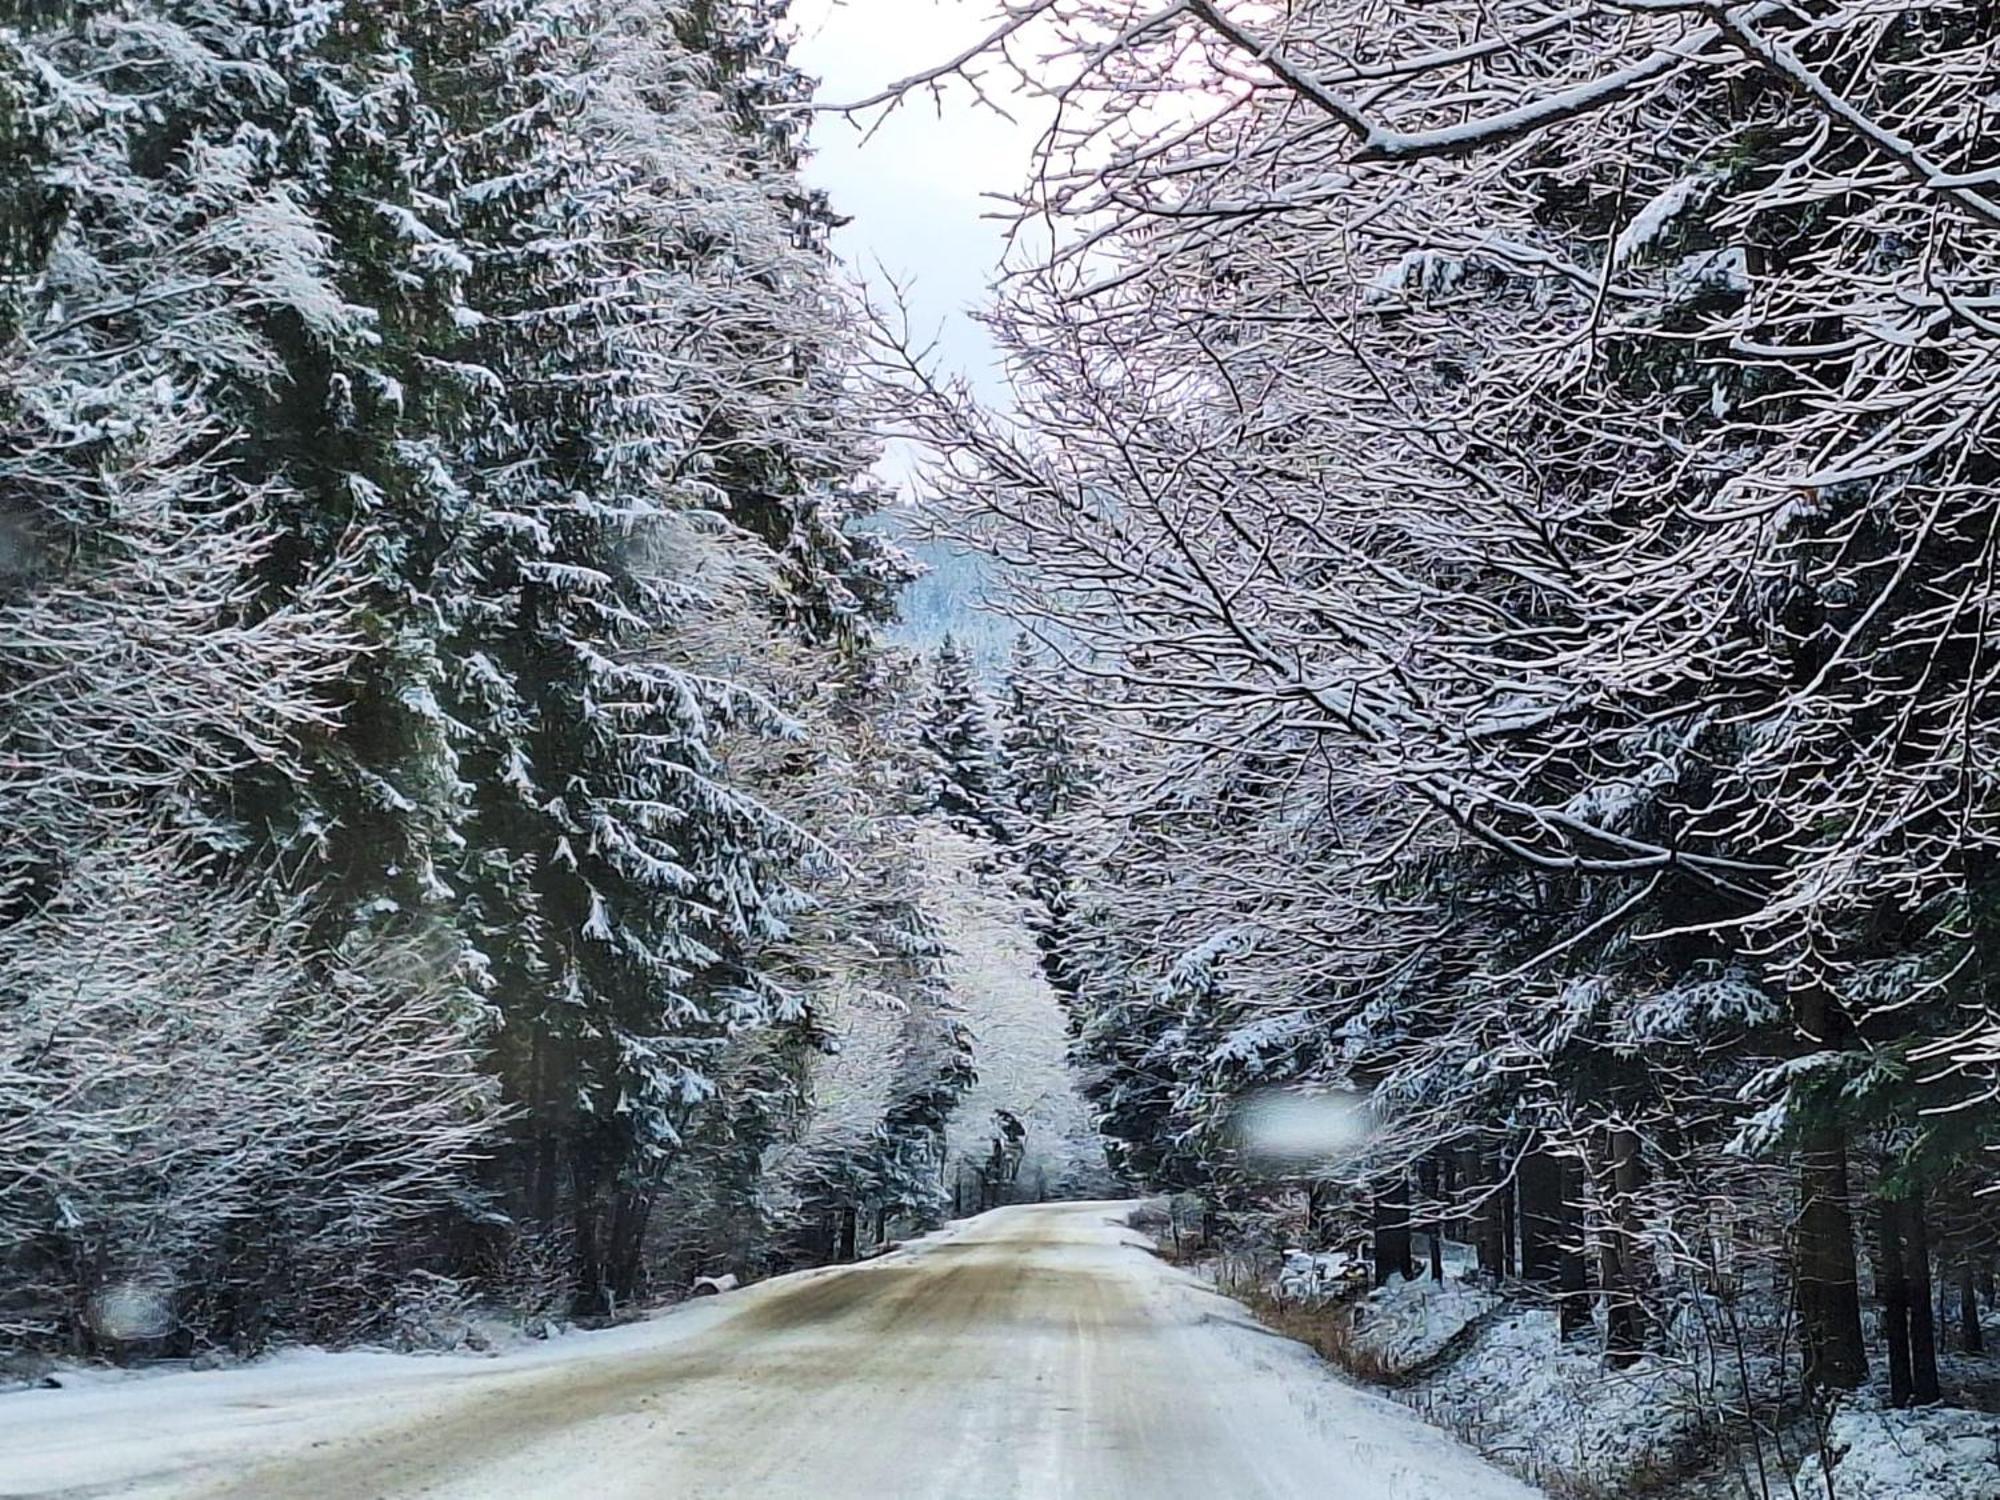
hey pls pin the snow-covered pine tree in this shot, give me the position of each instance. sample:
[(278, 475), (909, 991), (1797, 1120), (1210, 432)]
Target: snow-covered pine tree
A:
[(1048, 779), (613, 876), (667, 448), (177, 653), (363, 419), (962, 746), (789, 459), (884, 1052)]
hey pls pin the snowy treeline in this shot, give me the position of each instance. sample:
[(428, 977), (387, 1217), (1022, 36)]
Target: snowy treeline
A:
[(446, 755), (1001, 770), (1514, 485)]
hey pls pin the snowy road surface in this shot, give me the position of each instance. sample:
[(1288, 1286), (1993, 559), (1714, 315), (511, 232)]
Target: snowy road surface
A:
[(1035, 1353)]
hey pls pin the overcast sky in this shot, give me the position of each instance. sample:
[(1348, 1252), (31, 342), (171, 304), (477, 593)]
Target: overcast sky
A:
[(913, 188), (912, 191)]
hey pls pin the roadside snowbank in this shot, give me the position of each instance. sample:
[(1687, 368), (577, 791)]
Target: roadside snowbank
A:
[(1544, 1407), (1927, 1453), (1405, 1325), (112, 1428)]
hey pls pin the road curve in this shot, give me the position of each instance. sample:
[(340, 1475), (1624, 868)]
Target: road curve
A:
[(1034, 1352)]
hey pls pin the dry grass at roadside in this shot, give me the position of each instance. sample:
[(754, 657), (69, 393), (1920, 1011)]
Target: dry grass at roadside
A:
[(1326, 1328)]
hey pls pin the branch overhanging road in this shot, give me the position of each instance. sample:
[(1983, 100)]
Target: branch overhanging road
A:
[(1037, 1353)]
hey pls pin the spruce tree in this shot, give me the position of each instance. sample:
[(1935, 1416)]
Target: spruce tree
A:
[(1049, 781), (969, 778)]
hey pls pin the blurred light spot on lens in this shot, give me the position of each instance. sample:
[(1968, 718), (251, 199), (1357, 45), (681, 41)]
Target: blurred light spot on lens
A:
[(129, 1310), (1292, 1129)]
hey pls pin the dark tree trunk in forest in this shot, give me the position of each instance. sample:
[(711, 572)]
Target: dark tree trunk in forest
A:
[(1892, 1291), (1392, 1229), (1828, 1285), (844, 1251), (1429, 1179), (1623, 1272), (545, 1160), (1923, 1305), (1573, 1270), (1541, 1192), (1449, 1183), (588, 1245), (543, 1169), (1971, 1338), (625, 1254), (1486, 1223), (1319, 1200), (1509, 1204)]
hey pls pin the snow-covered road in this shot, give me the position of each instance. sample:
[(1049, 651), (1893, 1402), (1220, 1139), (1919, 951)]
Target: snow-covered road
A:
[(1034, 1352)]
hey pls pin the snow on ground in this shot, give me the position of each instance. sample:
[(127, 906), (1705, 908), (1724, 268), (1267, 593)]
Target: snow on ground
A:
[(1020, 1036), (1319, 1277), (1542, 1406), (1497, 1376), (1927, 1453), (1494, 1373), (1405, 1325), (111, 1428), (1516, 1393), (1032, 1353)]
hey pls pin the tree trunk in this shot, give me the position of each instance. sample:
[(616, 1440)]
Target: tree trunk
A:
[(1316, 1215), (1923, 1304), (591, 1288), (825, 1237), (625, 1254), (1541, 1191), (1623, 1273), (544, 1171), (1892, 1290), (1573, 1271), (545, 1162), (1970, 1337), (844, 1252), (1486, 1215), (1448, 1186), (1392, 1229), (1828, 1286), (1428, 1182)]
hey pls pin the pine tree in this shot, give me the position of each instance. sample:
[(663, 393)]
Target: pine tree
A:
[(1049, 781), (197, 605), (970, 781)]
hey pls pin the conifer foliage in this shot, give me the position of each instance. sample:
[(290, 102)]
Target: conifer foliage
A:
[(962, 745), (435, 660)]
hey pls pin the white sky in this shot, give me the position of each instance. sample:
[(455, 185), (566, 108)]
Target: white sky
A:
[(912, 191), (913, 188)]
